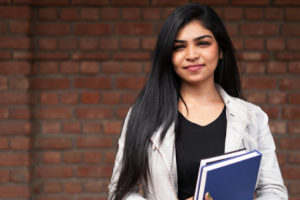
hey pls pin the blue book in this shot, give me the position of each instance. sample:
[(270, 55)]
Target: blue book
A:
[(230, 179)]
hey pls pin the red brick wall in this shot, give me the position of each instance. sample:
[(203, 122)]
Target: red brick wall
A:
[(70, 70)]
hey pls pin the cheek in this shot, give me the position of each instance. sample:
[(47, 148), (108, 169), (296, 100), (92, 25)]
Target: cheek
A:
[(212, 54), (176, 59)]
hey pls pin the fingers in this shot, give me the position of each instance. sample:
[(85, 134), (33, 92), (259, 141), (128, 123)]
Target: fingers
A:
[(207, 196)]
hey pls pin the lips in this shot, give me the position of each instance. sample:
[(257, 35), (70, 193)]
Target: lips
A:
[(194, 67)]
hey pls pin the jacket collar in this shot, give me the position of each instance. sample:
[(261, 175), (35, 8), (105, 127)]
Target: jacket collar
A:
[(238, 117)]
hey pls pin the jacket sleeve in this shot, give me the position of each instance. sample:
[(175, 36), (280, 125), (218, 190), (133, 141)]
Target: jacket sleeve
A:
[(134, 195), (270, 184)]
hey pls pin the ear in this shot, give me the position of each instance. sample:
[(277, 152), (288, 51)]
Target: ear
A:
[(221, 55)]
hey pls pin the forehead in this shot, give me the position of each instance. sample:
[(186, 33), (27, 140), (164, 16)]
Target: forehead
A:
[(192, 30)]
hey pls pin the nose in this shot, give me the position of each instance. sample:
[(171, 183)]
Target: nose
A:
[(192, 53)]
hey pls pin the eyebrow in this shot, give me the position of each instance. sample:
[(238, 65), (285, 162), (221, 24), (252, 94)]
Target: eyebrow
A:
[(198, 38)]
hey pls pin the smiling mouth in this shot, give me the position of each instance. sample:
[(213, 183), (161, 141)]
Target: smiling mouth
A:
[(193, 67)]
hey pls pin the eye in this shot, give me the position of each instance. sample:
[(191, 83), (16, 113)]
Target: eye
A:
[(203, 43), (178, 47)]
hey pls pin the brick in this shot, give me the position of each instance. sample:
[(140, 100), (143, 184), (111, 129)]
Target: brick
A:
[(294, 188), (169, 2), (19, 27), (69, 98), (15, 128), (52, 3), (72, 187), (103, 197), (68, 44), (5, 1), (17, 83), (50, 127), (256, 97), (109, 43), (129, 97), (89, 13), (90, 56), (47, 14), (294, 127), (3, 83), (53, 143), (53, 113), (89, 67), (15, 12), (52, 157), (290, 143), (52, 187), (15, 191), (69, 14), (275, 44), (250, 2), (15, 42), (92, 157), (94, 142), (254, 13), (110, 67), (54, 172), (91, 127), (148, 43), (129, 3), (274, 13), (289, 83), (276, 67), (4, 113), (69, 67), (94, 113), (111, 97), (22, 55), (48, 44), (110, 13), (52, 29), (255, 67), (131, 56), (130, 82), (254, 56), (54, 197), (259, 83), (72, 157), (92, 29), (151, 13), (15, 98), (20, 113), (294, 98), (88, 43), (131, 13), (290, 30), (3, 145), (294, 157), (287, 56), (212, 2), (277, 127), (277, 97), (293, 44), (48, 67), (21, 176), (4, 176), (112, 127), (15, 159), (51, 56), (130, 43), (110, 157), (263, 29), (281, 157), (50, 83), (5, 55), (291, 113), (122, 112), (272, 112), (167, 12), (71, 127), (90, 97), (292, 14), (92, 82), (286, 2), (233, 13), (90, 2), (20, 143), (93, 186), (93, 172), (132, 67), (133, 28)]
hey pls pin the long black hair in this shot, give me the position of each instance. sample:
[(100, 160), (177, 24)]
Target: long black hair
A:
[(157, 103)]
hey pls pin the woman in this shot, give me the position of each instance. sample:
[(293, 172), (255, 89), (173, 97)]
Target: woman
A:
[(190, 108)]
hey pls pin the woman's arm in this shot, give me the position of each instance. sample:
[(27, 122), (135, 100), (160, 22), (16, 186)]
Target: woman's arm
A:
[(270, 185), (118, 166)]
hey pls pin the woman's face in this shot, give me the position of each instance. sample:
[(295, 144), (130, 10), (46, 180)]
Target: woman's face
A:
[(195, 53)]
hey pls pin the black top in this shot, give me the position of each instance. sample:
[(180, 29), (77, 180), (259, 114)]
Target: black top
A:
[(195, 143)]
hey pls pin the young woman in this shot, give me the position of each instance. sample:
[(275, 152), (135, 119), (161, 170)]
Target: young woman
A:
[(190, 108)]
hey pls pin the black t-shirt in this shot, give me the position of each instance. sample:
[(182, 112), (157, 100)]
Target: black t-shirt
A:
[(195, 143)]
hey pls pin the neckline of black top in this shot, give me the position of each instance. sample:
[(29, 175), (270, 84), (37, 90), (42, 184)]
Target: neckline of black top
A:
[(193, 125)]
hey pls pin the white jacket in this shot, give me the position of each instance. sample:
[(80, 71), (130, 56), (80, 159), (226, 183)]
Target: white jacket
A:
[(247, 127)]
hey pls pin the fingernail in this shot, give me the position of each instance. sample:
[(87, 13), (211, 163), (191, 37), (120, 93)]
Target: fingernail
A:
[(208, 195)]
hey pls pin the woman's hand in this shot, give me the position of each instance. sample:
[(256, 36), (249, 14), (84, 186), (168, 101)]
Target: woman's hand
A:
[(207, 197)]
